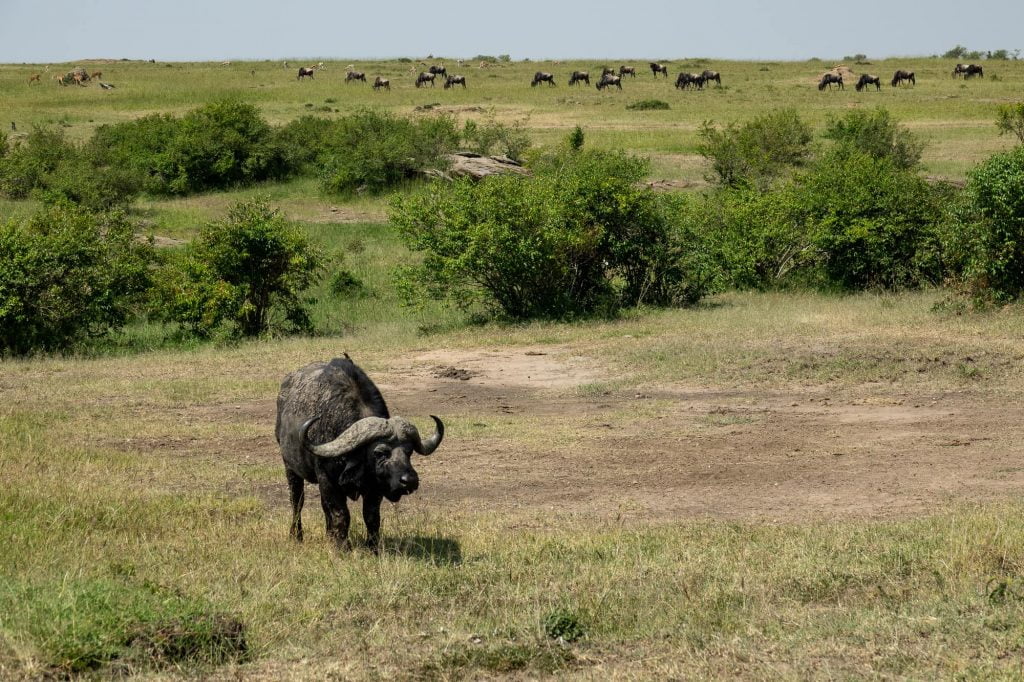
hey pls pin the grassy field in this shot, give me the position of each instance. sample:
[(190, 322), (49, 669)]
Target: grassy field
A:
[(768, 486)]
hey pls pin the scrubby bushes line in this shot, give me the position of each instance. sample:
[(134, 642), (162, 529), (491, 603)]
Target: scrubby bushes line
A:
[(227, 143)]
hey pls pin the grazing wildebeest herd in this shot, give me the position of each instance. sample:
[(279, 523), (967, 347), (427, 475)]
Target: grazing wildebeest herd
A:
[(866, 80)]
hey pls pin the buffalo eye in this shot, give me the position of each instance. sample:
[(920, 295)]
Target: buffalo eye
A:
[(381, 452)]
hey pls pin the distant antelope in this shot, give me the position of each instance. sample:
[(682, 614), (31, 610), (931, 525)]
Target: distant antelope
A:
[(355, 76), (425, 78), (35, 78), (453, 80), (96, 74), (658, 68), (381, 83), (627, 71), (306, 71)]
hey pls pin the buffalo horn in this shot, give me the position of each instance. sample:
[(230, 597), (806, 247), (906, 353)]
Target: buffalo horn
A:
[(364, 430)]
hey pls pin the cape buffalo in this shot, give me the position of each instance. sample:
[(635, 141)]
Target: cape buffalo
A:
[(355, 76), (579, 77), (335, 430), (543, 77), (609, 80), (379, 83), (627, 71), (710, 75), (425, 78), (866, 80), (659, 68), (830, 78), (453, 80), (901, 76)]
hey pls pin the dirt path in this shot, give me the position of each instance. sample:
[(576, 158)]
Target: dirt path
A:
[(682, 453)]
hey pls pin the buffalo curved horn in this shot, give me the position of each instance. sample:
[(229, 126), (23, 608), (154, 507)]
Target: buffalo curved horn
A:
[(430, 444), (364, 430)]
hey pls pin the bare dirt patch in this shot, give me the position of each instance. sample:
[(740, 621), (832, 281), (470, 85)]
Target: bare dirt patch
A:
[(524, 437)]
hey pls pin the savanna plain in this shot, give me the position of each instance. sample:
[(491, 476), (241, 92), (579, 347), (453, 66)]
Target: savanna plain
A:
[(768, 485)]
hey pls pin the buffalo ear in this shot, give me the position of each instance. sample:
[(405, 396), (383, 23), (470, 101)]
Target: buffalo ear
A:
[(351, 479)]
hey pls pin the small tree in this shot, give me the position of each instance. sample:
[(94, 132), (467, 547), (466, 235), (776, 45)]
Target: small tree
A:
[(67, 275), (758, 151), (957, 52), (237, 271), (1010, 119), (877, 134)]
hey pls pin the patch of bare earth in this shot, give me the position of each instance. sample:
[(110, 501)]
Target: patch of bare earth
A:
[(678, 452)]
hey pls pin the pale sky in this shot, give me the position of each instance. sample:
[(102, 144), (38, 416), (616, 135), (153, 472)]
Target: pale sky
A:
[(201, 30)]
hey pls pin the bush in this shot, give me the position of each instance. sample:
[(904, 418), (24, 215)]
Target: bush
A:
[(1010, 119), (577, 238), (372, 151), (648, 105), (874, 224), (986, 239), (67, 275), (487, 136), (877, 134), (237, 273), (134, 149), (757, 152), (958, 52), (304, 143)]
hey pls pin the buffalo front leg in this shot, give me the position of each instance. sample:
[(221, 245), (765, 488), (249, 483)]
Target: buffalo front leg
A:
[(371, 517), (297, 488), (335, 513)]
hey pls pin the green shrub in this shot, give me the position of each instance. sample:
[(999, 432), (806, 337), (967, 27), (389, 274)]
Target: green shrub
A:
[(877, 134), (28, 164), (874, 224), (565, 625), (371, 150), (238, 273), (67, 275), (134, 149), (1010, 119), (579, 237), (648, 105), (576, 138), (758, 151), (304, 143), (986, 240), (489, 136)]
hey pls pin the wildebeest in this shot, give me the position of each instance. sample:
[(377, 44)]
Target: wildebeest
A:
[(355, 76), (830, 78), (543, 77), (866, 80), (608, 80), (306, 71), (968, 70), (627, 71), (334, 430), (901, 76), (687, 80), (454, 80), (425, 77), (579, 76), (379, 83), (607, 71), (659, 68), (710, 75), (438, 71)]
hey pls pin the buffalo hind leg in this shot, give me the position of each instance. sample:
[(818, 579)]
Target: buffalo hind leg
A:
[(297, 488), (371, 517), (335, 513)]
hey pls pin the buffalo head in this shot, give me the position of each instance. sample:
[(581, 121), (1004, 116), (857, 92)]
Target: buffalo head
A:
[(378, 453)]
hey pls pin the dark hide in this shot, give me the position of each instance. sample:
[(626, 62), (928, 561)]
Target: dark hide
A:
[(659, 68), (901, 76), (830, 78), (627, 71), (355, 76), (543, 77), (866, 80), (608, 80), (968, 70), (579, 77), (607, 71), (687, 80), (305, 73), (319, 403), (381, 83), (438, 71), (712, 76), (454, 80), (425, 78)]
